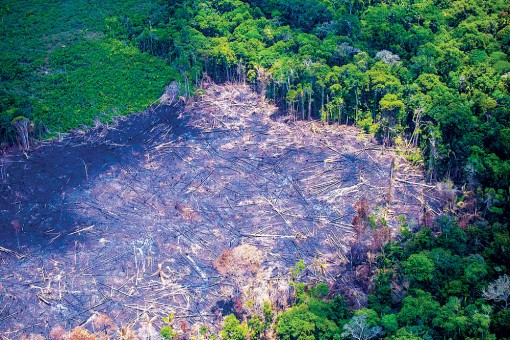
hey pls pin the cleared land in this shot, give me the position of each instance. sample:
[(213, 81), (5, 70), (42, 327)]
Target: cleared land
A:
[(188, 209)]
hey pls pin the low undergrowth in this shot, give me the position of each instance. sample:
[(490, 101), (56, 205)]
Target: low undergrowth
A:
[(62, 69)]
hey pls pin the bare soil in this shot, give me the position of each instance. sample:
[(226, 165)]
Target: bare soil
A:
[(189, 210)]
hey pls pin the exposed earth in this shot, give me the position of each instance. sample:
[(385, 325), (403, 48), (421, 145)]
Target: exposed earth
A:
[(188, 209)]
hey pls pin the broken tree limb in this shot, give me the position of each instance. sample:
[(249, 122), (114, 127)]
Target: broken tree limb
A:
[(414, 183)]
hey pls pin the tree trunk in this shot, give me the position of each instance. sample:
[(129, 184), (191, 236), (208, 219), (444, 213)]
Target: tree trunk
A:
[(303, 106), (22, 126), (310, 105), (322, 98), (357, 104)]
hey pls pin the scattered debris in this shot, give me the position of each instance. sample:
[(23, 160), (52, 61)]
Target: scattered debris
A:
[(180, 208)]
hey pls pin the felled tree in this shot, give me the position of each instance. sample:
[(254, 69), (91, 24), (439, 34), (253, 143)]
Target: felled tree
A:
[(22, 126)]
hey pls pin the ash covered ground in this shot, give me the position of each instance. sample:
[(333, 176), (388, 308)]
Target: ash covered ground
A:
[(189, 210)]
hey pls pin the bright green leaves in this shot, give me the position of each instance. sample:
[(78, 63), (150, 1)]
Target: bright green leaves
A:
[(419, 308), (391, 104), (312, 317), (130, 81), (233, 329), (451, 319), (381, 79), (419, 267), (72, 69), (255, 327), (392, 116), (222, 50), (389, 323), (167, 331), (299, 322)]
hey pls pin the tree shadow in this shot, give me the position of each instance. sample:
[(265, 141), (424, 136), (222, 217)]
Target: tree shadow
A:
[(34, 194)]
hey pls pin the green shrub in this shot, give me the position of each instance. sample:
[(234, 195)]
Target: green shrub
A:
[(233, 329), (167, 332)]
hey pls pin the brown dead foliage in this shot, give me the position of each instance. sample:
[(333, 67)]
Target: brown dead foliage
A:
[(399, 287), (224, 263), (380, 237), (360, 220), (126, 333), (184, 326), (57, 333), (427, 218), (32, 337), (103, 323), (467, 210), (239, 261), (80, 333)]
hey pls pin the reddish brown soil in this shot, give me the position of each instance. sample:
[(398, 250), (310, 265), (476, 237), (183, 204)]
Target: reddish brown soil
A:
[(128, 220)]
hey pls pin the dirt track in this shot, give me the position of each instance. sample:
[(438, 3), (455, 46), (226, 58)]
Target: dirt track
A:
[(128, 220)]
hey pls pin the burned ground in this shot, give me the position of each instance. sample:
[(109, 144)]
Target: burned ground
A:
[(188, 210)]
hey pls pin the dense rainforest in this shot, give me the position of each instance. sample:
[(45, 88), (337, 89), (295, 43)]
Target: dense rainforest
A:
[(430, 78)]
